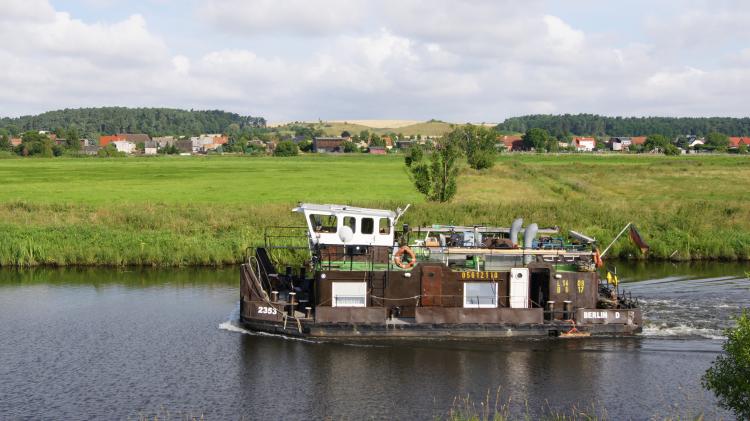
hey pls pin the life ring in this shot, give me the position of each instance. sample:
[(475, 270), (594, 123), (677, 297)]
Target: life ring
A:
[(412, 258), (598, 259)]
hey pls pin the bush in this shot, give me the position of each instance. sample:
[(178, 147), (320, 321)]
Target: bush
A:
[(286, 148), (350, 147), (671, 150), (729, 376)]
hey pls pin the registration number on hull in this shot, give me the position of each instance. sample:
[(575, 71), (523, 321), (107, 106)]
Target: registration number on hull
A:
[(480, 275)]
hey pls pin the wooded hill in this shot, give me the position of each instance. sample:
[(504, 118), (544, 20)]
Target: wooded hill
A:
[(152, 121), (592, 124)]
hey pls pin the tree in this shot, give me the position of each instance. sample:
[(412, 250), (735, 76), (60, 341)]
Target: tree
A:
[(286, 148), (717, 141), (5, 143), (729, 376), (376, 140), (478, 143), (436, 179), (536, 139), (671, 149), (73, 139), (413, 155), (656, 141), (345, 134), (350, 147), (742, 149)]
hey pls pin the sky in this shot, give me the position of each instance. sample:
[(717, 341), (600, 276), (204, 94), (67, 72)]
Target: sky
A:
[(305, 60)]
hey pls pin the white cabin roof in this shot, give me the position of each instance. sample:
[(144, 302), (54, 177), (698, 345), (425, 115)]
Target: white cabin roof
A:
[(337, 209)]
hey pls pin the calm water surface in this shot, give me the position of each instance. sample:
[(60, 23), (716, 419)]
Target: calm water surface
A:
[(114, 344)]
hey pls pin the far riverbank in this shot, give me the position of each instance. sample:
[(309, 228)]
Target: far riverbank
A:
[(198, 212)]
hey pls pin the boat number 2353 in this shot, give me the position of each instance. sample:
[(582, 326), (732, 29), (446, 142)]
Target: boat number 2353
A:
[(267, 310)]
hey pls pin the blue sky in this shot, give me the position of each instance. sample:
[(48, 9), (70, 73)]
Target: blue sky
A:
[(479, 61)]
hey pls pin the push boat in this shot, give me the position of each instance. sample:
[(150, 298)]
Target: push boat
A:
[(364, 279)]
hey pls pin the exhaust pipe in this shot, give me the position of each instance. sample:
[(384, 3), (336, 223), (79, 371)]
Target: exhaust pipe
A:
[(528, 241), (515, 228)]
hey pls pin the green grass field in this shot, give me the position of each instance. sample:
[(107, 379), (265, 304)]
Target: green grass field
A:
[(208, 210)]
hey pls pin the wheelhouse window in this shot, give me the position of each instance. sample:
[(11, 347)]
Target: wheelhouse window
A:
[(323, 223), (368, 226), (384, 226), (480, 294), (350, 221)]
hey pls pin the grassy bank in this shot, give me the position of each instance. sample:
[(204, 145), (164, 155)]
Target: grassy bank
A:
[(208, 210)]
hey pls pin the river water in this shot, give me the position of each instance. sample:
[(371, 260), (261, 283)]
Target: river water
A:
[(121, 344)]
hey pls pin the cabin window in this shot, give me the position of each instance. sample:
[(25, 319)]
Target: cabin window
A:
[(480, 294), (350, 221), (368, 226), (323, 223), (349, 294), (384, 226)]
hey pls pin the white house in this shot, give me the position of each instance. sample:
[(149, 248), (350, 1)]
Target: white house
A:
[(150, 148), (124, 146), (584, 144), (696, 142)]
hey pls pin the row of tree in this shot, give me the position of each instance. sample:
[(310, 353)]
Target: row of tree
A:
[(92, 122), (591, 124)]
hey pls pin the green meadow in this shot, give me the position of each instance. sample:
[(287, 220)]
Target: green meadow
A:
[(171, 211)]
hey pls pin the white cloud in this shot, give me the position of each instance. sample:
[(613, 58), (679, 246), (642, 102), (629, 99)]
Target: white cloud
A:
[(336, 59), (289, 16)]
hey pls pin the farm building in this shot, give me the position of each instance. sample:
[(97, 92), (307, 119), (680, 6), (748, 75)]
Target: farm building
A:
[(328, 144)]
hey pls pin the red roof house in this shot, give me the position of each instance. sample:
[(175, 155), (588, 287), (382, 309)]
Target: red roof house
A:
[(735, 142), (106, 140), (587, 144), (512, 143), (638, 140)]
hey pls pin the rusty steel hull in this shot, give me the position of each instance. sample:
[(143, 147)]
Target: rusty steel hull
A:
[(350, 331)]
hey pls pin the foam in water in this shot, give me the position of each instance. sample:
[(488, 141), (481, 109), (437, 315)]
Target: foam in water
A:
[(233, 325), (663, 330)]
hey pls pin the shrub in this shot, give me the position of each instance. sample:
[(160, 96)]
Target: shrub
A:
[(729, 376), (286, 148)]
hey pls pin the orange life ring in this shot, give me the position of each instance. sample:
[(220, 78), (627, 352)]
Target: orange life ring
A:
[(412, 258)]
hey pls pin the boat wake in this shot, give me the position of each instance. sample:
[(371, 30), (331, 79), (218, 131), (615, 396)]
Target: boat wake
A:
[(684, 331), (682, 307), (232, 324)]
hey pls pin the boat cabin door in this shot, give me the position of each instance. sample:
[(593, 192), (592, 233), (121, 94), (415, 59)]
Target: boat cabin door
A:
[(432, 286), (519, 288)]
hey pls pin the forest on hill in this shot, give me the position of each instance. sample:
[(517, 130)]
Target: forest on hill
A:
[(92, 122), (592, 124)]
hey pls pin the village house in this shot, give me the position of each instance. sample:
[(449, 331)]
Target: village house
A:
[(184, 146), (85, 142), (388, 142), (16, 141), (404, 144), (328, 144), (696, 142), (124, 146), (164, 141), (106, 140), (511, 143), (134, 138), (620, 143), (378, 150), (150, 148), (584, 144), (637, 140), (735, 142), (208, 142)]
